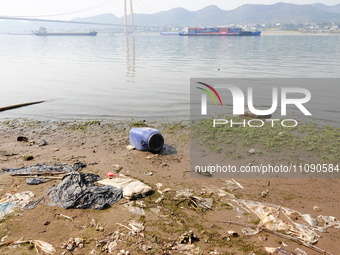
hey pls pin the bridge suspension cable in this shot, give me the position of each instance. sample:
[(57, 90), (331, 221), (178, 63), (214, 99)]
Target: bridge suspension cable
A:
[(70, 12)]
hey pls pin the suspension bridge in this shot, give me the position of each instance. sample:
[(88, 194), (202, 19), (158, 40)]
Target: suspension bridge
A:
[(126, 26)]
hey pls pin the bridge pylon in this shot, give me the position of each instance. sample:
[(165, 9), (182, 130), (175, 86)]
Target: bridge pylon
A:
[(132, 26)]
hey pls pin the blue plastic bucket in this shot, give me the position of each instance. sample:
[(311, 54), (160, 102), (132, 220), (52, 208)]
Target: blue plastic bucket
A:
[(146, 139)]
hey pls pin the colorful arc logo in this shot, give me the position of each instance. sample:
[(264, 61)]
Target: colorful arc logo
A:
[(209, 92)]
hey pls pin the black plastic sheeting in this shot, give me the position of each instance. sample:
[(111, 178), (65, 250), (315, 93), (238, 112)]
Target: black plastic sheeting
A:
[(77, 190), (38, 168)]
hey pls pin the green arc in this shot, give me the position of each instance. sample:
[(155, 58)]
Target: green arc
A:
[(210, 94)]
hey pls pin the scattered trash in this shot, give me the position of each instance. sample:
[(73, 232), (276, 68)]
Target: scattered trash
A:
[(240, 213), (33, 204), (38, 143), (130, 147), (77, 190), (3, 238), (198, 202), (269, 215), (132, 188), (252, 151), (185, 249), (278, 251), (186, 193), (73, 243), (298, 251), (250, 231), (264, 193), (284, 244), (110, 174), (130, 206), (44, 169), (22, 139), (188, 238), (159, 186), (316, 208), (160, 190), (152, 156), (123, 252), (232, 185), (36, 181), (328, 221), (63, 216), (262, 238), (109, 245), (217, 191), (27, 157), (156, 210), (93, 252), (158, 200), (135, 228), (203, 203), (47, 248), (117, 168), (95, 224), (149, 173), (146, 139), (9, 202), (232, 233)]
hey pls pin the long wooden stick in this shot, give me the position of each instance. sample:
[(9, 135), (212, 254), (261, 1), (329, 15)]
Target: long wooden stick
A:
[(19, 105), (44, 177), (38, 174), (310, 246)]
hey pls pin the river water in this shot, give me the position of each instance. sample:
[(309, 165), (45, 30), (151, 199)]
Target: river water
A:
[(147, 77)]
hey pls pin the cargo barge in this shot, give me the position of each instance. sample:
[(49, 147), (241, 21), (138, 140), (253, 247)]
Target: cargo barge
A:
[(223, 31), (43, 32), (169, 33)]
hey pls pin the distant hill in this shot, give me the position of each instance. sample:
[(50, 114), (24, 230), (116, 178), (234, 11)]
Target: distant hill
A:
[(334, 8), (101, 18), (248, 13), (280, 13), (208, 16)]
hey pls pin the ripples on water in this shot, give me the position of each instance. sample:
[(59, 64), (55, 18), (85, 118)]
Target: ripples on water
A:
[(147, 77)]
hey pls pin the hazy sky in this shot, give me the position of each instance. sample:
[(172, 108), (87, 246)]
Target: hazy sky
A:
[(85, 8)]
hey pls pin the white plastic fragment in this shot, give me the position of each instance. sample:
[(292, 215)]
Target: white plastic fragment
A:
[(132, 188), (9, 202), (298, 251), (316, 208), (47, 248), (134, 209), (328, 221), (130, 147), (136, 227), (186, 193), (270, 217), (232, 185)]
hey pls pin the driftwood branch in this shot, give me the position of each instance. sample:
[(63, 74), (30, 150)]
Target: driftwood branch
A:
[(310, 246), (19, 105)]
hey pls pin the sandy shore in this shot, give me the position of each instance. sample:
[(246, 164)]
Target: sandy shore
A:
[(167, 222)]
